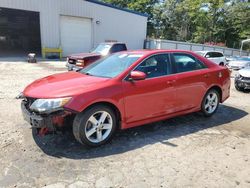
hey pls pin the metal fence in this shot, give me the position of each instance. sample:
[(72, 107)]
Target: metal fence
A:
[(168, 44)]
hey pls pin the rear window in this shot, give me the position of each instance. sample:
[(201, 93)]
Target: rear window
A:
[(215, 54), (118, 48)]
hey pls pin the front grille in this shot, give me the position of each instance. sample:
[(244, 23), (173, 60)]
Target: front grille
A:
[(246, 78), (72, 61)]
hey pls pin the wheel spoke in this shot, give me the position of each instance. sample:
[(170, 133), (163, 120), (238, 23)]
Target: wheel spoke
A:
[(206, 106), (107, 126), (99, 135), (214, 103), (209, 97), (209, 109), (103, 117), (213, 97), (90, 132), (93, 120)]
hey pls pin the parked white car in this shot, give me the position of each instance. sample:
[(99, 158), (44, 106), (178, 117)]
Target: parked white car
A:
[(216, 57)]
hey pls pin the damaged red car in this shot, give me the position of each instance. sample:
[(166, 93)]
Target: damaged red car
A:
[(125, 90)]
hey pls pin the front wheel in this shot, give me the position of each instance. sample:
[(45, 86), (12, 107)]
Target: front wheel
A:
[(237, 87), (221, 64), (210, 103), (95, 126)]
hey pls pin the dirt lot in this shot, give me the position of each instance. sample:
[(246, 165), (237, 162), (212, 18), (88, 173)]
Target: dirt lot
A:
[(188, 151)]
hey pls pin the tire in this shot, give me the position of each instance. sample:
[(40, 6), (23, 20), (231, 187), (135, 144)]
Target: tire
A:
[(237, 87), (221, 64), (210, 103), (95, 126)]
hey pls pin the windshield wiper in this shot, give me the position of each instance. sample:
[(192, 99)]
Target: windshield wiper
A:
[(87, 73)]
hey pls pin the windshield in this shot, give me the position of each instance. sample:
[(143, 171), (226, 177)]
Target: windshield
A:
[(102, 49), (111, 66), (242, 59)]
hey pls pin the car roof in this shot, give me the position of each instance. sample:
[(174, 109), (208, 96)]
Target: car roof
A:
[(209, 51), (154, 51), (112, 43)]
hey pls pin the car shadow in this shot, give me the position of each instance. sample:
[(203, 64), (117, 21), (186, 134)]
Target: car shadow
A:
[(65, 146)]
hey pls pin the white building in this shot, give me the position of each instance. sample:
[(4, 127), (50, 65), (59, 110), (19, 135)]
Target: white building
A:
[(74, 25)]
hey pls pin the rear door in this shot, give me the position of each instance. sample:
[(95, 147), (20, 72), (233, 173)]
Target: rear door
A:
[(191, 81), (154, 96)]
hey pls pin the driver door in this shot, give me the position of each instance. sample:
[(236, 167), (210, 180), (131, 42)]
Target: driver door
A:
[(154, 96)]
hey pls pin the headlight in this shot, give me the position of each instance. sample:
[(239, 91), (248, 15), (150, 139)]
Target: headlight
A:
[(49, 105), (80, 62), (237, 76), (20, 96)]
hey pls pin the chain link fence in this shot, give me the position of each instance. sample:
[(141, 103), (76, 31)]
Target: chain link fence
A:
[(168, 44)]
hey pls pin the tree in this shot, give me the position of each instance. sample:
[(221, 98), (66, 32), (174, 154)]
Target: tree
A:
[(237, 23), (200, 21)]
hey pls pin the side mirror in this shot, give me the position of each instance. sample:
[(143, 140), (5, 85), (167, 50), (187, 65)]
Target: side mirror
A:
[(137, 75), (207, 56)]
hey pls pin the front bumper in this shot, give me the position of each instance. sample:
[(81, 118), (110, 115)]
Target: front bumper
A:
[(243, 82), (72, 67), (36, 121)]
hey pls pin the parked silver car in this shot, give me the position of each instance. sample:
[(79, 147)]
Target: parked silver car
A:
[(239, 63), (242, 79)]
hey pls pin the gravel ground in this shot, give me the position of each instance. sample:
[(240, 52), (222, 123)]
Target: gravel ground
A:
[(188, 151)]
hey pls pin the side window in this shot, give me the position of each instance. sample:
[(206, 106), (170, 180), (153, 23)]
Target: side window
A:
[(185, 63), (215, 54), (118, 48), (209, 55), (218, 54), (155, 66)]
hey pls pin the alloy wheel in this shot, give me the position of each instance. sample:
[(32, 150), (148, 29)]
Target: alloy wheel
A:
[(98, 126), (211, 102)]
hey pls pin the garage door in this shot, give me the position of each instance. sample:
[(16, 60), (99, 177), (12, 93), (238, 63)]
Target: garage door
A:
[(19, 32), (76, 35)]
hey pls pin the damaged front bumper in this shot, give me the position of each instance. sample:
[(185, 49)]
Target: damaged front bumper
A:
[(56, 119), (243, 82), (72, 67)]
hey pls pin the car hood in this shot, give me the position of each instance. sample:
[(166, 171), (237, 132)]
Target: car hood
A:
[(245, 72), (238, 62), (62, 85), (84, 55)]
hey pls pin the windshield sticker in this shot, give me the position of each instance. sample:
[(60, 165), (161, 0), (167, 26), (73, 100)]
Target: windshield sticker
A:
[(123, 55), (135, 55)]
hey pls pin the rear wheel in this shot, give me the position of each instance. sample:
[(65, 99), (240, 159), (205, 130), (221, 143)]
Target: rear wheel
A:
[(210, 103), (95, 126), (221, 64)]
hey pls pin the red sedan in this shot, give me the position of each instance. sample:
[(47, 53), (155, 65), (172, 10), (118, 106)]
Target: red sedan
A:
[(124, 90)]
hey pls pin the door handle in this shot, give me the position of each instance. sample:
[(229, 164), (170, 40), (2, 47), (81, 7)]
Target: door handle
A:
[(206, 75), (171, 82)]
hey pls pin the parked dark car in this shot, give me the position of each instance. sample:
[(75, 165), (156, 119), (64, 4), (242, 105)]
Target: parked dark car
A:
[(77, 61), (242, 79)]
